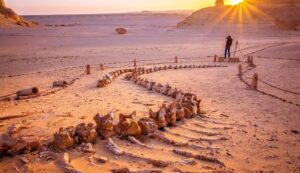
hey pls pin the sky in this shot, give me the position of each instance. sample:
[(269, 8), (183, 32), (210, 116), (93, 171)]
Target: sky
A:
[(26, 7)]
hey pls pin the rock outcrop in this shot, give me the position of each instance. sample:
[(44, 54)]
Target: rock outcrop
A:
[(219, 3), (9, 18), (121, 31)]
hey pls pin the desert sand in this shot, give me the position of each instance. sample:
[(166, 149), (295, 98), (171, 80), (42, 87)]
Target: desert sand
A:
[(243, 129)]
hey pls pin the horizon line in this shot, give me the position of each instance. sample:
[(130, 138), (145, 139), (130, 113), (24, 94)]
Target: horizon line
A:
[(120, 12)]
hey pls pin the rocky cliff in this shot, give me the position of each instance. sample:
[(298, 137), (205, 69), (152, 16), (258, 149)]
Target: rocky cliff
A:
[(9, 18)]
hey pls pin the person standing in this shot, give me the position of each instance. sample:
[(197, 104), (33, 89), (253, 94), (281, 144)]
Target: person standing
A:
[(228, 46)]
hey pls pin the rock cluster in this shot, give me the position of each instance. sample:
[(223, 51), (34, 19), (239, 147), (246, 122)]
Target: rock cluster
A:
[(12, 143), (105, 125), (186, 105), (67, 137), (109, 77), (127, 126)]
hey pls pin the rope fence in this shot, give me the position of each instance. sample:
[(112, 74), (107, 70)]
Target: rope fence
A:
[(256, 80), (121, 64)]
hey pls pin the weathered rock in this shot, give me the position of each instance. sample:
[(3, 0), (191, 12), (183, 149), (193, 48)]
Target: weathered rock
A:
[(121, 170), (63, 162), (156, 87), (190, 161), (86, 133), (164, 90), (24, 159), (32, 142), (11, 145), (62, 140), (71, 130), (101, 159), (178, 96), (105, 126), (13, 129), (121, 31), (159, 118), (127, 126), (60, 83), (187, 113), (150, 85), (159, 163), (111, 146), (180, 112), (47, 155), (147, 125), (87, 147), (171, 91), (171, 114), (191, 107), (64, 157), (7, 142)]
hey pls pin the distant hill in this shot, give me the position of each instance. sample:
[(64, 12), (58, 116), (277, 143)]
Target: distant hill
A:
[(285, 14)]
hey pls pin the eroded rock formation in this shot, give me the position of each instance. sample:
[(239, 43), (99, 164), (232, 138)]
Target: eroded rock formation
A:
[(9, 17), (219, 3)]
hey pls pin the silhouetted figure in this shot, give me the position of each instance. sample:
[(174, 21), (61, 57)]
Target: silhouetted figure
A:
[(228, 45)]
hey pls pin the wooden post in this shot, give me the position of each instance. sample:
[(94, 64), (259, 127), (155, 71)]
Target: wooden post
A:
[(254, 81), (240, 70), (134, 62), (215, 58), (101, 67), (88, 69), (176, 59), (249, 58), (251, 63)]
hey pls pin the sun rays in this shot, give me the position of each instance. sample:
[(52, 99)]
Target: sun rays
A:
[(235, 2), (236, 18)]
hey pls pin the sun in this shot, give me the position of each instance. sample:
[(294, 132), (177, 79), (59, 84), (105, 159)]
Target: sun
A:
[(235, 2)]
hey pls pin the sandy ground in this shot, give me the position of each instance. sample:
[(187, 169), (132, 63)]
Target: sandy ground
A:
[(258, 126)]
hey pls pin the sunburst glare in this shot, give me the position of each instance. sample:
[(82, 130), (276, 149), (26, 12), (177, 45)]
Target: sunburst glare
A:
[(235, 2)]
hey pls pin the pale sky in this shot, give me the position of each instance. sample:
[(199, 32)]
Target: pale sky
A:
[(103, 6)]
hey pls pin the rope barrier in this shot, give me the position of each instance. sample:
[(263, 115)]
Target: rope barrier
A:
[(242, 76), (127, 64), (284, 90), (274, 45), (44, 93), (93, 65), (288, 59)]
